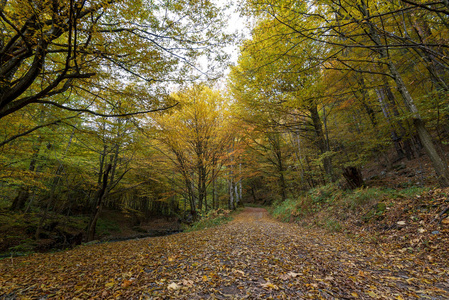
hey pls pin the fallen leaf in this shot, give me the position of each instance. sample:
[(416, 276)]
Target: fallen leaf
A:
[(293, 274), (126, 283), (173, 286), (372, 294), (268, 285), (187, 282)]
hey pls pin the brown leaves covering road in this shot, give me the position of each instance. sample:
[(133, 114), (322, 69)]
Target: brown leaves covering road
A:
[(253, 257)]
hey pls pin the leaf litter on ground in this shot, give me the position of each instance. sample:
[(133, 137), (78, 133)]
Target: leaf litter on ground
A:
[(253, 257)]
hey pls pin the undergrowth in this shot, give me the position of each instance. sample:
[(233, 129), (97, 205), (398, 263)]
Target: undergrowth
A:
[(211, 219), (106, 227), (329, 205)]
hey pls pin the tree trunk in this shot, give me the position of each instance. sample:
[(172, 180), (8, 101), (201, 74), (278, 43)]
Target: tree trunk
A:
[(231, 194), (24, 193), (424, 136), (320, 141), (101, 194), (353, 177), (403, 148), (240, 183)]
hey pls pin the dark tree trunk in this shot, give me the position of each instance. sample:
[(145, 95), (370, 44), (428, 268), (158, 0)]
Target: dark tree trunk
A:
[(20, 200), (24, 193), (101, 194), (353, 177), (321, 141)]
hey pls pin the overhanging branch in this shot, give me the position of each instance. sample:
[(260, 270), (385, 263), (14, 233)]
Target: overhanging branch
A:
[(85, 110)]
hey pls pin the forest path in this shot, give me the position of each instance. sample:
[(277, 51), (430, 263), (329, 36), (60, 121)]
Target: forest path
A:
[(253, 257)]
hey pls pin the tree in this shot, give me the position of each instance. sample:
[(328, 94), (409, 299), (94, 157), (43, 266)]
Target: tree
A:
[(196, 137), (369, 38), (83, 47), (281, 86)]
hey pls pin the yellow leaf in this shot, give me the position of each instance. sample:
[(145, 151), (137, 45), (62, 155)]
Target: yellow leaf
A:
[(270, 286), (372, 294)]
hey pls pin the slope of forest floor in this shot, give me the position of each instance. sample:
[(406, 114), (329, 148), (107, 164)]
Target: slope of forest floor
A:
[(410, 221), (252, 257), (399, 208), (17, 230)]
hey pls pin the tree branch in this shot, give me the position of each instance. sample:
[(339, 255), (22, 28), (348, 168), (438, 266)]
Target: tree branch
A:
[(84, 110), (57, 122)]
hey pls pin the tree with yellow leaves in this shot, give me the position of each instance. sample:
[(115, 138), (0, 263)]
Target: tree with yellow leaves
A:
[(195, 137)]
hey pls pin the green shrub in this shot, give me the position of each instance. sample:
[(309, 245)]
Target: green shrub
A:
[(26, 246)]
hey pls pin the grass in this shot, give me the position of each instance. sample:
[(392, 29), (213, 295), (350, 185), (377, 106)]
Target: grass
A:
[(212, 219), (287, 210), (332, 225)]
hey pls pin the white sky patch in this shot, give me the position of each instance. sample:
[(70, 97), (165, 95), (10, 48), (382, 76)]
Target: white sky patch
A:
[(235, 25)]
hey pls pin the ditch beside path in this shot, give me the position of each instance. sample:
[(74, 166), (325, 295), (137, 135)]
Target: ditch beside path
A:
[(252, 257)]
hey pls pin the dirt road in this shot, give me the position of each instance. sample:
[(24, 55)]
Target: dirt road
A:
[(253, 257)]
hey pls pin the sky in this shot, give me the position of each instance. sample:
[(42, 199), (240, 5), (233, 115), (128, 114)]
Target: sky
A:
[(236, 23)]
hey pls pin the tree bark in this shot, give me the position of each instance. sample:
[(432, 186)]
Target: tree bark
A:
[(321, 141), (101, 194), (424, 136), (353, 177), (24, 193)]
